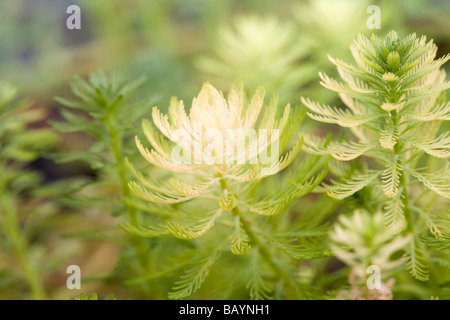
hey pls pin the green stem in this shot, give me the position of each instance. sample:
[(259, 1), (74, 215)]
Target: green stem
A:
[(406, 209), (256, 241), (262, 248), (119, 157), (19, 243), (117, 149), (403, 184)]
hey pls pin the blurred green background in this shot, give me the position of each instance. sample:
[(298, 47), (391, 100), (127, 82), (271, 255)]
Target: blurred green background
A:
[(168, 41), (179, 44)]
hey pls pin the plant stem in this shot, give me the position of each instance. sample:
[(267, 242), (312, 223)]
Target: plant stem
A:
[(406, 209), (119, 156), (19, 243), (263, 250), (256, 242), (117, 149), (398, 149)]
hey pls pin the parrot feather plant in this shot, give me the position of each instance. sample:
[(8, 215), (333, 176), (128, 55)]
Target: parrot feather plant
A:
[(213, 164), (240, 52), (24, 210), (362, 242), (395, 105), (105, 108)]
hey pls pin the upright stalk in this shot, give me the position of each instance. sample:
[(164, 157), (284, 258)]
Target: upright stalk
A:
[(119, 156), (19, 243), (257, 242), (403, 185)]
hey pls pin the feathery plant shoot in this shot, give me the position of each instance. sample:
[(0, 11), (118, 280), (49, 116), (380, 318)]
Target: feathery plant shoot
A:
[(231, 146), (243, 53), (105, 108), (362, 242), (395, 107), (21, 209)]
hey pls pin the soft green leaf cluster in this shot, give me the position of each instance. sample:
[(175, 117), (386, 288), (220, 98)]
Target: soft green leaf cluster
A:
[(22, 211), (228, 199), (394, 106)]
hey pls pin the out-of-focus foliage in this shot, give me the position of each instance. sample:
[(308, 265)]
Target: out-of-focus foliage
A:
[(259, 52), (23, 213), (362, 242), (177, 45), (105, 108)]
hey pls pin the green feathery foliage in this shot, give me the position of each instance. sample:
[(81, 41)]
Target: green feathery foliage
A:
[(106, 109), (395, 106), (219, 191), (361, 241), (22, 210), (259, 52)]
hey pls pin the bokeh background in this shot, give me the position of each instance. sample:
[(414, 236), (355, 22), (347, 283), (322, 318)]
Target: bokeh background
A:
[(176, 45)]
